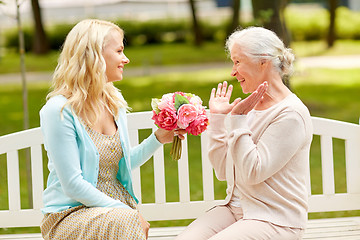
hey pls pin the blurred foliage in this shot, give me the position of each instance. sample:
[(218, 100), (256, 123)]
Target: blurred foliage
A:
[(304, 25), (312, 24)]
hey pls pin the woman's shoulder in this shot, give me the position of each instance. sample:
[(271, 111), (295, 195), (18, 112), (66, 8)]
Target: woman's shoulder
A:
[(54, 104), (296, 104), (293, 107)]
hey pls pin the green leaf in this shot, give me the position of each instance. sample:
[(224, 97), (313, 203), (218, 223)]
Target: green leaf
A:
[(180, 100), (154, 105)]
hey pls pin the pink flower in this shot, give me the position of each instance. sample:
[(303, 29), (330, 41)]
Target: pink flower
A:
[(186, 114), (166, 118), (198, 126), (195, 100), (167, 101)]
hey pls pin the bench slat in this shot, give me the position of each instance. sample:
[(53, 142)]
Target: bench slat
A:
[(37, 176), (13, 180), (207, 170), (335, 202), (352, 156), (183, 171), (327, 164), (20, 140), (23, 218), (159, 176)]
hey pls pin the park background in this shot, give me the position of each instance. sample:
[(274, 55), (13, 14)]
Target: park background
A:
[(175, 47)]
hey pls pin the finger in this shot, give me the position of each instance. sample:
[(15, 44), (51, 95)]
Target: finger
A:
[(218, 91), (236, 101), (252, 100), (180, 131), (223, 91), (212, 94), (182, 137), (229, 92)]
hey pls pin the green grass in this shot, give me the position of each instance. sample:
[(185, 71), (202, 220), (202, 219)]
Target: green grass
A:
[(147, 55), (319, 48), (176, 53)]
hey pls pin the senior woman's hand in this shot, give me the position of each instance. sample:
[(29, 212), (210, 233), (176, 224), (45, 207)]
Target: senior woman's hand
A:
[(220, 101), (246, 105)]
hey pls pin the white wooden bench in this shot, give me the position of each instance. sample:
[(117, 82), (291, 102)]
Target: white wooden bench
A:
[(161, 209)]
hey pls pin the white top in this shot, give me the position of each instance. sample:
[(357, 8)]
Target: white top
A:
[(264, 158)]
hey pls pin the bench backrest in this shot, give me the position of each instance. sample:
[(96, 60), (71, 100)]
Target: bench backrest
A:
[(185, 208)]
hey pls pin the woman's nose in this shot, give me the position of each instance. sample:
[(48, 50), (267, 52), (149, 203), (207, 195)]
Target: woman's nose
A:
[(126, 60)]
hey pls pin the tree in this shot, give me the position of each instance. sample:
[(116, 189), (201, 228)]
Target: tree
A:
[(331, 37), (196, 26), (41, 44), (24, 96), (271, 16), (236, 5)]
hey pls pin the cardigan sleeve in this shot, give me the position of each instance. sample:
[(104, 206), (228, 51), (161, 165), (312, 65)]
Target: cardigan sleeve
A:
[(61, 144), (218, 144), (142, 152)]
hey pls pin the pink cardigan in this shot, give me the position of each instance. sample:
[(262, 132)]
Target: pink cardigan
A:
[(264, 157)]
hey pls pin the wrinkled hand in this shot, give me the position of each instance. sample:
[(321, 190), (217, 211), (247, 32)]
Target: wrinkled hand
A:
[(246, 105), (220, 102), (145, 225), (166, 136)]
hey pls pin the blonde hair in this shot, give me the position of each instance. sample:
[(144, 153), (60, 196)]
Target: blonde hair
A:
[(260, 43), (80, 74)]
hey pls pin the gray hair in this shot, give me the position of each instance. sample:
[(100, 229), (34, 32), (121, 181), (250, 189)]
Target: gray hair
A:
[(259, 43)]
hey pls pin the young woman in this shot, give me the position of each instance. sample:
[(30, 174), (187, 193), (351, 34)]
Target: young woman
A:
[(89, 192)]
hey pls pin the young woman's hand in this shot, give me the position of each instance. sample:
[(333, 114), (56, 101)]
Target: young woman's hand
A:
[(220, 99), (166, 136), (145, 225), (246, 105)]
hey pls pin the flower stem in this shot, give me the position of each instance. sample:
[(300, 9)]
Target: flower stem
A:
[(175, 152)]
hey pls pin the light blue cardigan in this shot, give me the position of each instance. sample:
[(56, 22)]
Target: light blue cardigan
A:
[(74, 159)]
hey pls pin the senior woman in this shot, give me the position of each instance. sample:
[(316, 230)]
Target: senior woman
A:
[(264, 153)]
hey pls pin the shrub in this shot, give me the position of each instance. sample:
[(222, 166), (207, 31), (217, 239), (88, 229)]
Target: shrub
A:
[(307, 25), (347, 24), (303, 24)]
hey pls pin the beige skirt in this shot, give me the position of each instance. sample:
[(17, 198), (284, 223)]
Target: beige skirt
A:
[(92, 223)]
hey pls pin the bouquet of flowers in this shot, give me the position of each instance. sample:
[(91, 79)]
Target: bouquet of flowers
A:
[(179, 110)]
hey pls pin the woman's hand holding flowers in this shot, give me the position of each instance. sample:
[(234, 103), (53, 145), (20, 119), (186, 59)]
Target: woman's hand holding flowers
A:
[(167, 136)]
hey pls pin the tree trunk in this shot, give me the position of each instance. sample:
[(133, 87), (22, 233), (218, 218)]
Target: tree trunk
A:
[(25, 99), (196, 26), (41, 44), (276, 21), (235, 16), (332, 34)]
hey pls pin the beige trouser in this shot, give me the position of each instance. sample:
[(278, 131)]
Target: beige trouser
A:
[(226, 223)]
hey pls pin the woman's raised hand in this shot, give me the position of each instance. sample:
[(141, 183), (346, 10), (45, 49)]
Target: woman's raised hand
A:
[(246, 105), (220, 99)]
